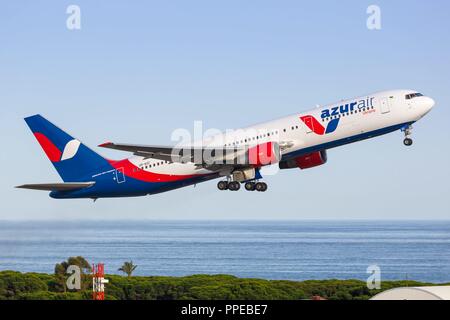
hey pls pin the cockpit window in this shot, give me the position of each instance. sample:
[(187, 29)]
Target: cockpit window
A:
[(413, 95)]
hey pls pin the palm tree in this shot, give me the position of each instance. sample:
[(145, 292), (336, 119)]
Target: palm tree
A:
[(128, 268)]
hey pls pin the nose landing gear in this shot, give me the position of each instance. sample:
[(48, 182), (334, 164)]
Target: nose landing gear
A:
[(408, 142), (408, 131)]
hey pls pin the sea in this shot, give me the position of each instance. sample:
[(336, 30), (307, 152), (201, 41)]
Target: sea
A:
[(290, 250)]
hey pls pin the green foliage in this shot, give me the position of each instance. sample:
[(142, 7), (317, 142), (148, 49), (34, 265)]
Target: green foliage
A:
[(13, 284), (61, 268), (59, 283), (16, 285), (47, 295), (128, 267)]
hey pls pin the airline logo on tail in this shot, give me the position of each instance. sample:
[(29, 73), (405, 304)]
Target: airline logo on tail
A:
[(317, 127), (52, 151)]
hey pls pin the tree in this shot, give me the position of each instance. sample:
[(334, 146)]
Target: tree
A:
[(13, 283), (61, 270), (128, 267)]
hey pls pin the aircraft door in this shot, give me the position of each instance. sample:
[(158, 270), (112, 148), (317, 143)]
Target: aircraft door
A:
[(384, 105), (120, 175)]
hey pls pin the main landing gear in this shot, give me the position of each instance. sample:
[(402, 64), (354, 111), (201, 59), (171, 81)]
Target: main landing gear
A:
[(258, 186), (407, 141), (235, 186), (229, 185)]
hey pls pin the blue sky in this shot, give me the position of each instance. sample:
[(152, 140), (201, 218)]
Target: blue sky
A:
[(138, 70)]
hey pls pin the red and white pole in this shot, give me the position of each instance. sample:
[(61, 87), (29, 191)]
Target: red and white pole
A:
[(98, 281)]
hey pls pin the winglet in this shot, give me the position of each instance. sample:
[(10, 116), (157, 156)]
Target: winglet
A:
[(106, 144)]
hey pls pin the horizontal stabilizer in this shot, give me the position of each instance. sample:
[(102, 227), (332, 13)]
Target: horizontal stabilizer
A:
[(65, 186)]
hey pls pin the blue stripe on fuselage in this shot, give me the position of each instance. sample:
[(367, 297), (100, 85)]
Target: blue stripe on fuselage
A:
[(344, 141)]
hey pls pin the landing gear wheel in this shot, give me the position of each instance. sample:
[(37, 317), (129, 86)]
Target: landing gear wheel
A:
[(408, 131), (250, 186), (408, 142), (222, 185), (261, 186), (234, 186), (264, 186)]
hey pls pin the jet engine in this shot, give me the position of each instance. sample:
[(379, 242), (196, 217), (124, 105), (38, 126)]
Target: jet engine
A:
[(264, 154), (306, 161)]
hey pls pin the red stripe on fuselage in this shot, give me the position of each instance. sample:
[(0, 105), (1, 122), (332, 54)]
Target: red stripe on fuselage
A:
[(133, 171), (52, 152)]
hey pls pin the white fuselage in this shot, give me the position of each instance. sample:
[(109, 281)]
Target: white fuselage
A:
[(352, 120)]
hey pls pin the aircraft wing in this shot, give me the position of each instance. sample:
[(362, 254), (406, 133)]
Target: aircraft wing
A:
[(174, 154), (62, 186), (217, 158)]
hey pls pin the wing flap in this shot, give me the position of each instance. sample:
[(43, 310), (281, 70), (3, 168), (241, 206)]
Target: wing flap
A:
[(64, 186), (169, 153)]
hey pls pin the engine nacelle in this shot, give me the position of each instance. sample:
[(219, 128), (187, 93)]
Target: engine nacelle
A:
[(305, 162), (264, 154)]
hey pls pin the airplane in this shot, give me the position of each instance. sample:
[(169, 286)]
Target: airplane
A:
[(296, 141)]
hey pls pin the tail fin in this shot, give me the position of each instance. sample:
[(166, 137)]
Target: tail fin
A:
[(72, 159)]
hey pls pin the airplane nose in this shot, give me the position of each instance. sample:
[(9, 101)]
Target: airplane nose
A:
[(428, 104)]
